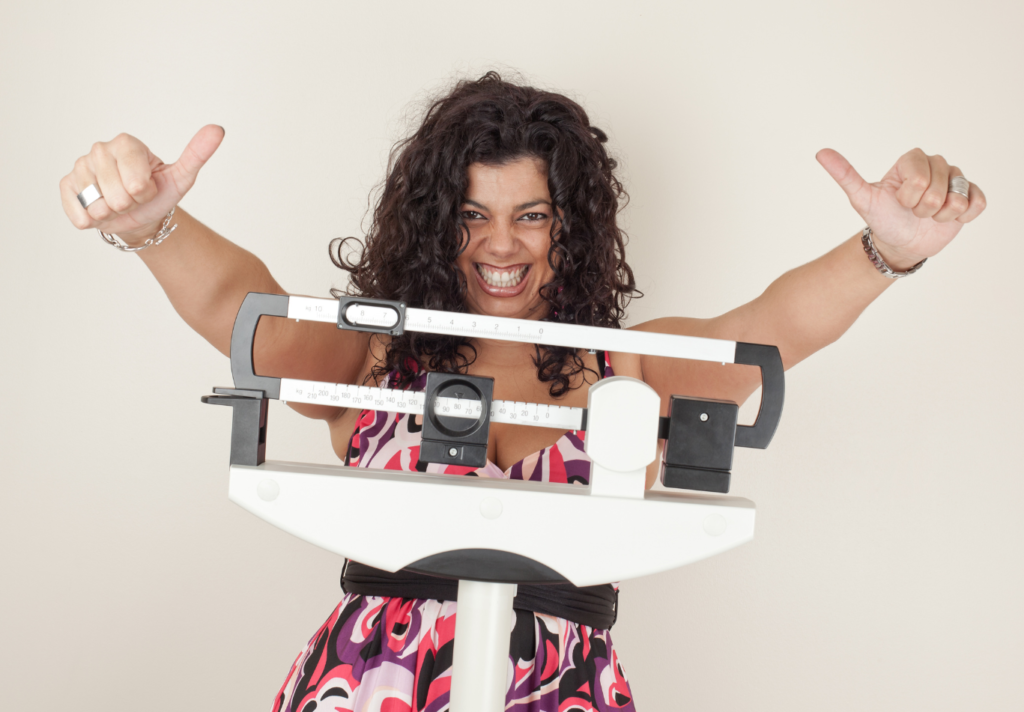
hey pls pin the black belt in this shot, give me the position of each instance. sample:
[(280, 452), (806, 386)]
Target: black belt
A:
[(595, 606)]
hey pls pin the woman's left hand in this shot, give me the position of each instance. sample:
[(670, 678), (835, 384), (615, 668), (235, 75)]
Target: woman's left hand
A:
[(911, 211)]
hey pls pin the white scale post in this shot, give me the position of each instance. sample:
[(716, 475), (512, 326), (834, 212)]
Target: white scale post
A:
[(485, 532)]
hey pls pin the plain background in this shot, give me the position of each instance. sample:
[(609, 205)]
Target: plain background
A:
[(886, 569)]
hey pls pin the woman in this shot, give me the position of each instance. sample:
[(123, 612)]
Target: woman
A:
[(502, 203)]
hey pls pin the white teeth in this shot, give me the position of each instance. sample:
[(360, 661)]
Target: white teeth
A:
[(502, 278)]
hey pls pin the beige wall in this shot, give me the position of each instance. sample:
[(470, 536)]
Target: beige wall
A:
[(886, 571)]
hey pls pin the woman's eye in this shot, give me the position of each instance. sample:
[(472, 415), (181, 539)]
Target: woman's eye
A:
[(471, 215), (535, 216)]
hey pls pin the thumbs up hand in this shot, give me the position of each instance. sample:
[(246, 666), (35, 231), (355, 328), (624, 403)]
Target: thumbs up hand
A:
[(137, 188), (912, 212)]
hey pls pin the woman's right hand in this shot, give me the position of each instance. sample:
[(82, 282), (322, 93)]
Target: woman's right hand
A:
[(138, 188)]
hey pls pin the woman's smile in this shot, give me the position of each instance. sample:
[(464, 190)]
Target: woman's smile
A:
[(502, 281)]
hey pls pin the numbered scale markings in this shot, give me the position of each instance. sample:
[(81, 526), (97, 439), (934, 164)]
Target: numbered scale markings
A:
[(398, 401), (523, 330)]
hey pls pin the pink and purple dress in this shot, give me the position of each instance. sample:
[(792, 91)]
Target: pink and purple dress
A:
[(389, 654)]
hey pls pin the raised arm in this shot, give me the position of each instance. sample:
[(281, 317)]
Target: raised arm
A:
[(912, 214), (204, 275)]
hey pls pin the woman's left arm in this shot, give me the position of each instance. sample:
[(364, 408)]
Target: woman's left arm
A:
[(913, 215)]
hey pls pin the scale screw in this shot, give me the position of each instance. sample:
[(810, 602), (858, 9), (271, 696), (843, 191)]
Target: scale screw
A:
[(452, 452), (703, 417)]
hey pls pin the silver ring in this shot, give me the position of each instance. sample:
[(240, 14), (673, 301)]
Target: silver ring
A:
[(89, 196), (959, 184)]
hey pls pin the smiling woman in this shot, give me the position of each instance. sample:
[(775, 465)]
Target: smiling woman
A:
[(503, 203), (498, 177)]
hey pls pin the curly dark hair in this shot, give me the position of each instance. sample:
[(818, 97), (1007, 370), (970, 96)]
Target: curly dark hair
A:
[(418, 231)]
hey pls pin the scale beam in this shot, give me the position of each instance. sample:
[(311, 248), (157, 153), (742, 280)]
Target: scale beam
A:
[(401, 401), (394, 318)]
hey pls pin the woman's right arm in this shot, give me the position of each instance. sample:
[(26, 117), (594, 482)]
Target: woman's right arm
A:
[(204, 275)]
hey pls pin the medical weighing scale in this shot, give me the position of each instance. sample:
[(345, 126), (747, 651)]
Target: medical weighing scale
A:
[(485, 533)]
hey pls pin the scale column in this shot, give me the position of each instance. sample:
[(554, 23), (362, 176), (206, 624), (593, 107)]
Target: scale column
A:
[(483, 632)]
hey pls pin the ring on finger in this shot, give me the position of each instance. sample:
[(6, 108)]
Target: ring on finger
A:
[(89, 195), (959, 185)]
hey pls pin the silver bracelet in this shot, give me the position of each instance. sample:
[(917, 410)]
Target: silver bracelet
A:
[(159, 237), (879, 263)]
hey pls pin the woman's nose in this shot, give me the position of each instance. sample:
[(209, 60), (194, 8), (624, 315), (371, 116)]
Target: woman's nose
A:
[(502, 240)]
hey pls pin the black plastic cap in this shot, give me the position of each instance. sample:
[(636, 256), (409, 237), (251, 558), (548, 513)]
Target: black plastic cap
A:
[(701, 433)]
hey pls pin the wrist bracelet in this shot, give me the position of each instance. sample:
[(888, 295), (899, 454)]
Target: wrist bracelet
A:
[(159, 237), (879, 263)]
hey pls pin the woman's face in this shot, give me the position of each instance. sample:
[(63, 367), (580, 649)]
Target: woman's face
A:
[(508, 212)]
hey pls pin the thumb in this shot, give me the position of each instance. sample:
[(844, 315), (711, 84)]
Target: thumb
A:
[(855, 187), (196, 154)]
